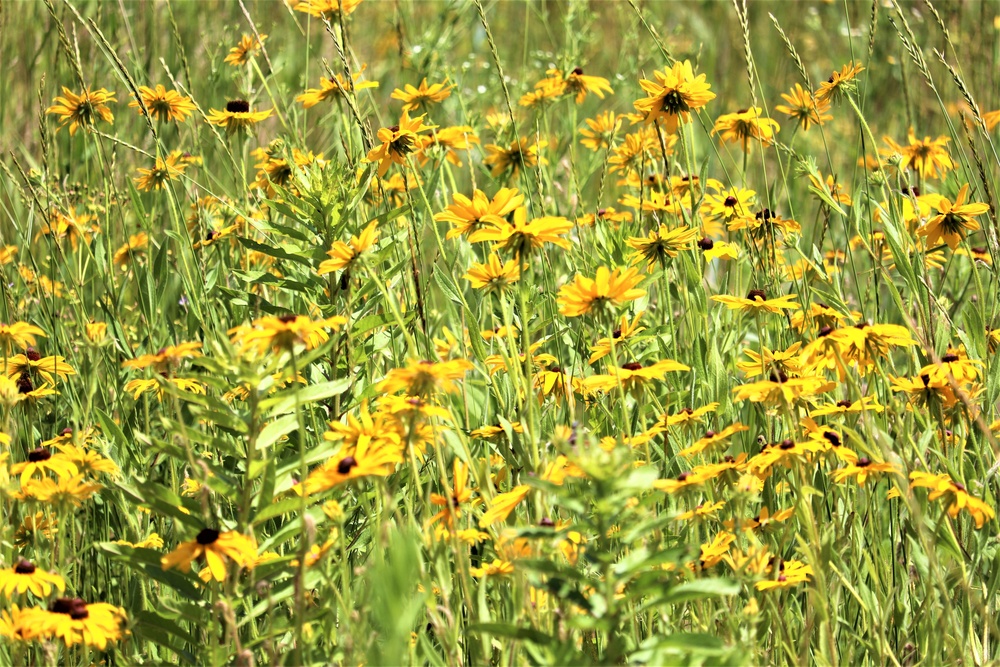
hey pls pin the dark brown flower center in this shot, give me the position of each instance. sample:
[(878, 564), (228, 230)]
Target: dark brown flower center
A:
[(32, 354), (39, 454), (864, 462), (709, 434), (706, 243), (238, 106), (730, 202), (24, 384), (844, 404), (632, 366), (832, 438), (578, 71), (346, 465), (948, 358), (753, 294), (825, 331), (207, 536), (786, 444), (25, 567), (287, 319), (674, 103)]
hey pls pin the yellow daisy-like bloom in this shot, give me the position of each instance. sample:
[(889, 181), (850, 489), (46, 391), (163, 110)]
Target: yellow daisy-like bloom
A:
[(864, 404), (686, 418), (414, 98), (926, 156), (159, 384), (334, 88), (446, 142), (166, 358), (284, 333), (522, 237), (82, 110), (863, 343), (943, 486), (19, 335), (600, 130), (956, 364), (745, 126), (701, 512), (327, 9), (804, 108), (165, 105), (74, 622), (62, 491), (161, 173), (32, 363), (952, 220), (41, 460), (576, 83), (784, 361), (790, 573), (608, 287), (237, 116), (840, 83), (633, 375), (625, 331), (217, 548), (25, 577), (131, 250), (717, 249), (246, 48), (756, 301), (661, 244), (863, 468), (546, 92), (494, 275), (398, 142), (521, 154), (782, 390), (343, 255), (371, 458), (469, 215), (713, 552), (635, 150), (423, 378), (674, 94), (713, 439)]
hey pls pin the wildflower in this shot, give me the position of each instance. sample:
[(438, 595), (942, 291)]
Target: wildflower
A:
[(701, 512), (521, 154), (25, 577), (790, 573), (503, 504), (327, 10), (952, 220), (600, 130), (608, 213), (864, 404), (757, 302), (41, 460), (246, 48), (765, 518), (522, 237), (956, 365), (286, 332), (744, 126), (334, 88), (661, 244), (460, 495), (469, 215), (545, 93), (672, 97), (82, 110), (862, 469), (217, 548), (18, 335), (804, 108), (712, 439), (577, 83), (497, 567), (74, 622), (864, 343), (362, 456), (398, 142), (686, 417), (635, 149), (164, 105), (925, 156), (781, 361), (447, 141), (625, 331), (165, 358), (839, 84), (493, 276), (237, 116), (765, 222), (153, 541), (34, 528), (423, 378), (925, 391), (163, 171), (70, 491), (584, 294), (344, 255), (958, 498), (817, 316), (717, 249), (712, 552), (633, 375), (728, 205), (414, 98), (781, 390)]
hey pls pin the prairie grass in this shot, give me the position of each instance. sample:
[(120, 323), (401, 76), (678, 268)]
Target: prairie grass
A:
[(647, 333)]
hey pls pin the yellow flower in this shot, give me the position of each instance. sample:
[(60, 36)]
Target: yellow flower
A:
[(18, 334), (163, 171), (864, 404), (422, 378), (926, 157), (65, 490), (82, 110), (25, 577), (154, 541), (623, 333), (522, 154), (757, 302), (74, 622), (575, 83), (713, 552), (165, 105), (600, 130), (781, 390), (327, 9), (283, 333), (414, 98), (746, 126), (369, 457), (166, 358), (522, 237), (943, 486), (343, 255), (41, 460), (713, 439), (790, 573), (608, 287), (237, 116), (503, 504), (784, 361), (863, 468), (840, 83), (246, 48), (334, 88), (131, 250), (633, 375), (493, 276), (216, 548), (804, 108), (672, 97), (446, 142), (661, 244), (952, 220), (469, 215), (398, 142)]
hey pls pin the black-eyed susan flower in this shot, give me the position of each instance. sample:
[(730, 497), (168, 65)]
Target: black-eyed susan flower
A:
[(333, 88), (745, 126), (283, 333), (424, 378), (521, 154), (955, 494), (25, 577), (865, 343), (635, 151), (327, 10), (576, 83), (633, 375), (546, 92), (164, 105), (844, 407), (925, 156), (790, 573), (461, 495), (397, 142), (840, 83), (344, 255), (167, 357), (957, 365), (674, 94), (608, 287), (802, 106), (522, 237), (67, 491), (32, 363), (717, 249), (953, 220), (757, 302), (625, 331), (248, 47), (422, 96), (923, 391), (216, 547), (18, 335), (781, 390), (600, 130), (701, 512), (713, 552), (446, 142), (83, 110), (713, 439), (503, 504), (74, 621), (370, 458), (686, 417), (163, 171), (131, 250), (494, 275), (41, 460), (726, 205), (237, 116), (661, 244), (469, 215), (767, 360), (862, 469)]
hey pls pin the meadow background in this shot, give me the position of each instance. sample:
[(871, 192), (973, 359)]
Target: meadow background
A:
[(478, 488)]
